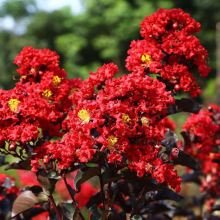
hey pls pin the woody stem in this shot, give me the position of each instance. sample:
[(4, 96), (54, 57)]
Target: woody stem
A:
[(139, 200), (73, 199), (55, 207)]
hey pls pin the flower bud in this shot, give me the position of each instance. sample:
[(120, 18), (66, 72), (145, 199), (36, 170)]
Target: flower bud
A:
[(174, 153)]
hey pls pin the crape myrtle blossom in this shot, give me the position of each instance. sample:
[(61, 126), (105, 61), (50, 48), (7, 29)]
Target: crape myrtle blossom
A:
[(204, 133), (123, 119), (170, 50), (167, 123), (40, 101), (204, 138), (112, 122), (111, 127)]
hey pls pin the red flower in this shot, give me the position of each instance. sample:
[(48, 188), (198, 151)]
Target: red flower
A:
[(170, 50), (167, 123), (203, 131)]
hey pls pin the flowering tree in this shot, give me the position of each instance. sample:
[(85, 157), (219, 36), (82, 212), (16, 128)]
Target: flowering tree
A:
[(108, 127)]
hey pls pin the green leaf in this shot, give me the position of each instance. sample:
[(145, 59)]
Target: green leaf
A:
[(21, 165), (96, 213), (85, 174), (47, 181), (136, 217), (105, 214), (71, 190), (68, 210), (53, 175), (28, 199), (2, 160)]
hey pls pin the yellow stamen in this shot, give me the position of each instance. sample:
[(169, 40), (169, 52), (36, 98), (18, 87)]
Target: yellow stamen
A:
[(125, 118), (148, 168), (112, 140), (46, 94), (73, 90), (211, 155), (144, 121), (84, 115), (33, 71), (78, 153), (13, 104), (56, 80), (203, 57), (146, 59)]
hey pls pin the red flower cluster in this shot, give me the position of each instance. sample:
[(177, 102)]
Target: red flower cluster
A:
[(69, 121), (203, 143), (123, 119), (167, 123), (203, 134), (170, 50), (117, 124), (38, 104)]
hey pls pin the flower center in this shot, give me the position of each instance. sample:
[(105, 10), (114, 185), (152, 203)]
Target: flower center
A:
[(144, 121), (146, 59), (46, 94), (84, 115), (13, 104), (112, 140), (33, 71), (73, 90), (125, 118), (56, 80)]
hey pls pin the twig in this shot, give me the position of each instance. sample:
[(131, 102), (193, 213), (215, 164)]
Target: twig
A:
[(108, 195), (101, 183), (55, 207), (139, 200), (73, 199)]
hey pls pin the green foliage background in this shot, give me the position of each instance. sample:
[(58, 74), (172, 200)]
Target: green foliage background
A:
[(100, 34)]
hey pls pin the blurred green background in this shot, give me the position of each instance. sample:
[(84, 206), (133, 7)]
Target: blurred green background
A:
[(98, 32)]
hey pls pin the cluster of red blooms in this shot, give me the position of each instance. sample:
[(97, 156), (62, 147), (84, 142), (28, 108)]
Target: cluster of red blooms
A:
[(203, 133), (69, 122), (123, 118), (170, 50), (39, 102)]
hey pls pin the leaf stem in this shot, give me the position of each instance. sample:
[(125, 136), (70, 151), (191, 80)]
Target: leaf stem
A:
[(55, 207), (139, 200), (101, 183), (73, 199), (108, 195)]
